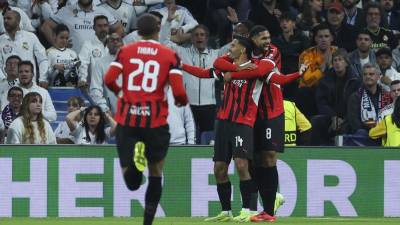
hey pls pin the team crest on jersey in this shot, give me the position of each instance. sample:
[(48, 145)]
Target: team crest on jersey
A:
[(7, 49), (96, 53), (385, 38), (25, 45), (239, 83)]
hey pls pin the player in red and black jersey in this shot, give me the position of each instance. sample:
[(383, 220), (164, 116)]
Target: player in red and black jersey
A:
[(269, 127), (147, 69), (234, 130)]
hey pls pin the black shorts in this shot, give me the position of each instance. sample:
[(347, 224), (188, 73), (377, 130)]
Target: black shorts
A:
[(269, 135), (232, 140), (156, 142)]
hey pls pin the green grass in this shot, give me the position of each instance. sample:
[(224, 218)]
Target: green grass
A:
[(195, 221)]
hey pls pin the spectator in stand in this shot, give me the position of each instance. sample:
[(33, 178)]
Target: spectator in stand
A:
[(142, 6), (200, 92), (25, 22), (93, 50), (181, 123), (344, 35), (267, 13), (28, 5), (21, 43), (394, 94), (101, 95), (389, 74), (392, 16), (179, 18), (389, 128), (42, 10), (11, 111), (381, 37), (297, 126), (291, 43), (319, 59), (354, 16), (31, 127), (396, 58), (123, 10), (221, 13), (363, 54), (333, 90), (79, 18), (364, 107), (310, 16), (93, 129), (11, 80), (62, 132), (25, 74), (63, 61)]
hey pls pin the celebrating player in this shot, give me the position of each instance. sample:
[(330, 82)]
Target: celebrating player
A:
[(142, 132)]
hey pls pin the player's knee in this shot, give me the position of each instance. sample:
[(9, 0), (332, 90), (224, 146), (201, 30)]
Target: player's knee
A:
[(269, 159), (241, 165), (221, 171)]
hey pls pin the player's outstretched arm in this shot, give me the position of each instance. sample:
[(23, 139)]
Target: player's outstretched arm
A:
[(288, 78), (264, 67), (110, 78), (224, 63), (197, 71), (178, 90)]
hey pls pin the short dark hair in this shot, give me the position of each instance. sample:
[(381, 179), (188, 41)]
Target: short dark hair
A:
[(383, 51), (341, 52), (364, 32), (60, 28), (13, 57), (147, 25), (99, 17), (256, 30), (321, 26), (26, 62), (287, 16), (203, 27), (394, 82), (157, 14), (246, 43), (15, 88), (371, 5)]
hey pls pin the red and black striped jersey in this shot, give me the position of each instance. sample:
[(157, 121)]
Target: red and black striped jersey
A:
[(241, 95), (147, 68)]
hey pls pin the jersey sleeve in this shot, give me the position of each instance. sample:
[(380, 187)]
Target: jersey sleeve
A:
[(114, 70), (264, 67), (176, 82), (280, 79), (224, 63), (198, 71), (379, 130)]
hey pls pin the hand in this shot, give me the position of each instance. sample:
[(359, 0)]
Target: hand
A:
[(59, 67), (336, 123), (171, 13), (82, 109), (82, 84), (44, 84), (277, 13), (303, 68), (386, 80), (227, 77), (232, 15), (249, 66)]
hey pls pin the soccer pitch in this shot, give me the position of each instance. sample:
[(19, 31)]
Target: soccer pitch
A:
[(194, 221)]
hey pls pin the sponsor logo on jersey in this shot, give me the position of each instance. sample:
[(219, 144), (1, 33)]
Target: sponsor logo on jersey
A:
[(140, 110), (96, 53)]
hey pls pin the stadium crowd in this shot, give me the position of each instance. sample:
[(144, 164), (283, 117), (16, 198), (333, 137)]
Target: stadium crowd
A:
[(349, 90)]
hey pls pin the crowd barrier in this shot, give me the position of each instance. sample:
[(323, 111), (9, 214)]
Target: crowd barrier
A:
[(86, 181)]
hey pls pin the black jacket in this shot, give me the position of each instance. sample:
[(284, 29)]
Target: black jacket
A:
[(330, 100)]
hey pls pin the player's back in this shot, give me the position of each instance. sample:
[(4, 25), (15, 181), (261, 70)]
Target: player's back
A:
[(146, 69)]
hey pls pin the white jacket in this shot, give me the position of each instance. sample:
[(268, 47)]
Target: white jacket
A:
[(16, 131), (392, 74), (27, 46), (181, 123), (199, 91), (91, 51), (184, 18), (99, 93), (49, 112)]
